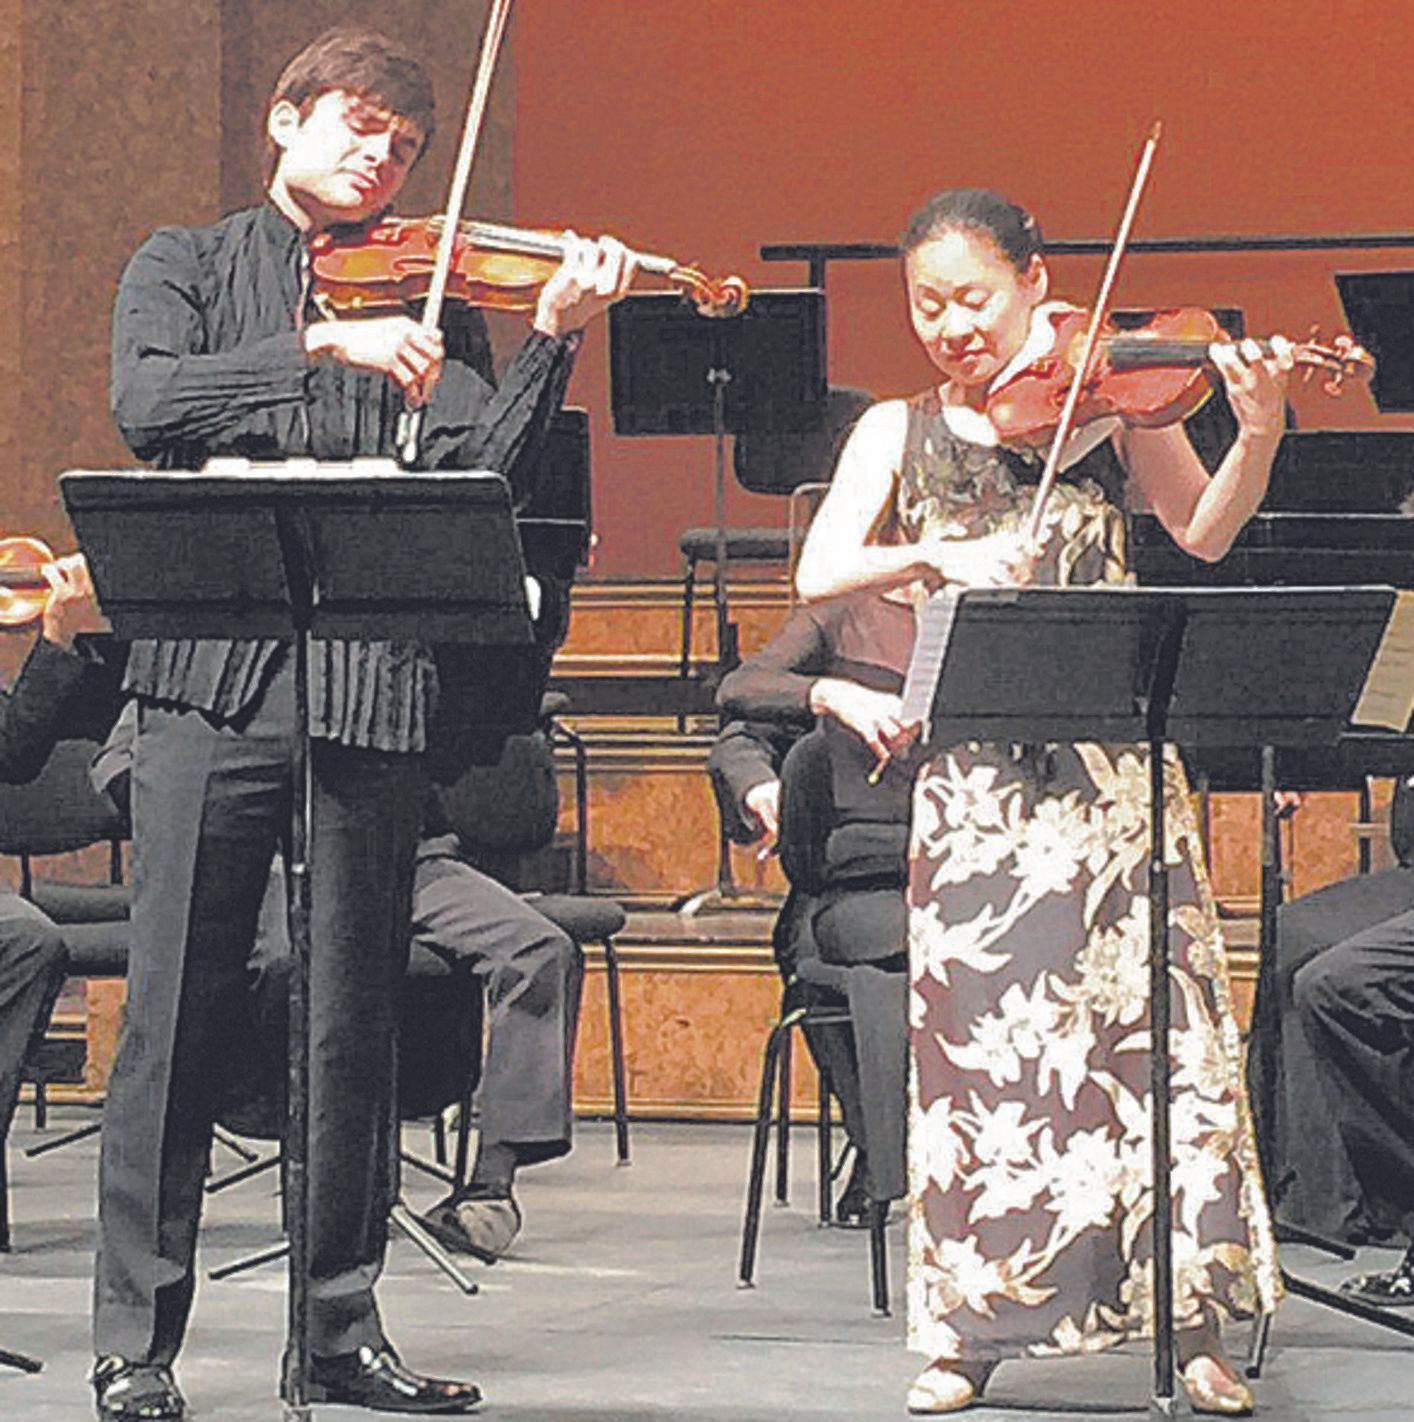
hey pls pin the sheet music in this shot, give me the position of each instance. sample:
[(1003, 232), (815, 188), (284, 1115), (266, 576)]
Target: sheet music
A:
[(1388, 696), (920, 687)]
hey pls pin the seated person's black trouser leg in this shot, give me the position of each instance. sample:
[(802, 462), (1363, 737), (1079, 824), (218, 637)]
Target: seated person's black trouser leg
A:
[(32, 965), (1355, 1003), (532, 972), (1308, 1176), (865, 932)]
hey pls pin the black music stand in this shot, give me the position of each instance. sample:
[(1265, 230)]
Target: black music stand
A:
[(1380, 309), (1205, 666), (761, 371), (298, 551), (758, 372)]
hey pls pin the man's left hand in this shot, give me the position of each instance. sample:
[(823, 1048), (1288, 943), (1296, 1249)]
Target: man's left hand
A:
[(593, 275)]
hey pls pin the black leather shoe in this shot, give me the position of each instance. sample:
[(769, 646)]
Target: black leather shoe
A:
[(376, 1378), (852, 1207), (1389, 1288), (135, 1392)]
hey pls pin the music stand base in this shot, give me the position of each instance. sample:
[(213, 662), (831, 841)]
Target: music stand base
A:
[(1343, 1303), (22, 1361), (1162, 1408), (1292, 1234), (733, 899)]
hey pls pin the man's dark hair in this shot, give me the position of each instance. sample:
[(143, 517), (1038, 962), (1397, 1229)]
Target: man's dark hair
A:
[(984, 211), (359, 62)]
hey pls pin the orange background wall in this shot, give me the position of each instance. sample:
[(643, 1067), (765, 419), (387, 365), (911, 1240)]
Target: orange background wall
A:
[(703, 130)]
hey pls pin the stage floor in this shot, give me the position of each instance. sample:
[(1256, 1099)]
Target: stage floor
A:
[(619, 1303)]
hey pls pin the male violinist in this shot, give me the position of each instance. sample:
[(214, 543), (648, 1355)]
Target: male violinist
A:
[(217, 351)]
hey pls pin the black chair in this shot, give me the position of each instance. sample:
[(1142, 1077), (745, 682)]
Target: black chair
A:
[(502, 814), (789, 463), (439, 1030), (56, 813), (816, 995), (554, 706)]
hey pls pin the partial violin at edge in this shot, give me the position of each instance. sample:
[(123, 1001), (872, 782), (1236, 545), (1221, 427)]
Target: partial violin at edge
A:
[(24, 590)]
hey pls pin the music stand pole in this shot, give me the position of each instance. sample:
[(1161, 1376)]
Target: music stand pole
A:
[(1161, 1402), (296, 1153)]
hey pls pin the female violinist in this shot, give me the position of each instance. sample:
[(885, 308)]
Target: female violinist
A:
[(1028, 919)]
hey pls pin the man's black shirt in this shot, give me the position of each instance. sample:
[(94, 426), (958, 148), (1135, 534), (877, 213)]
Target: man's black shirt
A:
[(208, 360)]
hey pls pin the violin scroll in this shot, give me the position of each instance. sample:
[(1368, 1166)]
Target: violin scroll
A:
[(1343, 359), (725, 297)]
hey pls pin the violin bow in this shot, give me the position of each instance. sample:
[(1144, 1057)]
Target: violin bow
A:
[(410, 424), (1092, 336)]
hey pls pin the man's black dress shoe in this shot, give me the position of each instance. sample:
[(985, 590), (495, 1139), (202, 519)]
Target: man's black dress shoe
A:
[(376, 1378), (135, 1392), (1389, 1288)]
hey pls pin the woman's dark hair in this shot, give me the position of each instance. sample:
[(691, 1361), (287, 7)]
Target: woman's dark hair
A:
[(984, 211), (359, 62)]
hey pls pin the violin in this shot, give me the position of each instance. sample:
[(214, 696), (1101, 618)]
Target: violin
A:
[(383, 269), (24, 590), (1148, 376)]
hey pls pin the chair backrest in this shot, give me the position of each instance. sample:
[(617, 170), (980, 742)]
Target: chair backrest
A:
[(510, 807), (779, 462), (807, 811), (438, 1036), (59, 810)]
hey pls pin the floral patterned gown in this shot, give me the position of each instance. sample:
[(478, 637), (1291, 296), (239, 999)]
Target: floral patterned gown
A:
[(1030, 1195)]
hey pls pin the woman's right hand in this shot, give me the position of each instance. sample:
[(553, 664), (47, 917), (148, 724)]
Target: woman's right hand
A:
[(990, 560)]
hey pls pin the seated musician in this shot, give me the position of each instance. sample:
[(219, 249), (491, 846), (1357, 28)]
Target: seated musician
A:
[(64, 683), (1337, 1114), (841, 660), (532, 972), (218, 349)]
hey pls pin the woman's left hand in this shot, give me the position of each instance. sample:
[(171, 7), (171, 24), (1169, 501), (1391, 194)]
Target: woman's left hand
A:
[(1256, 383)]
